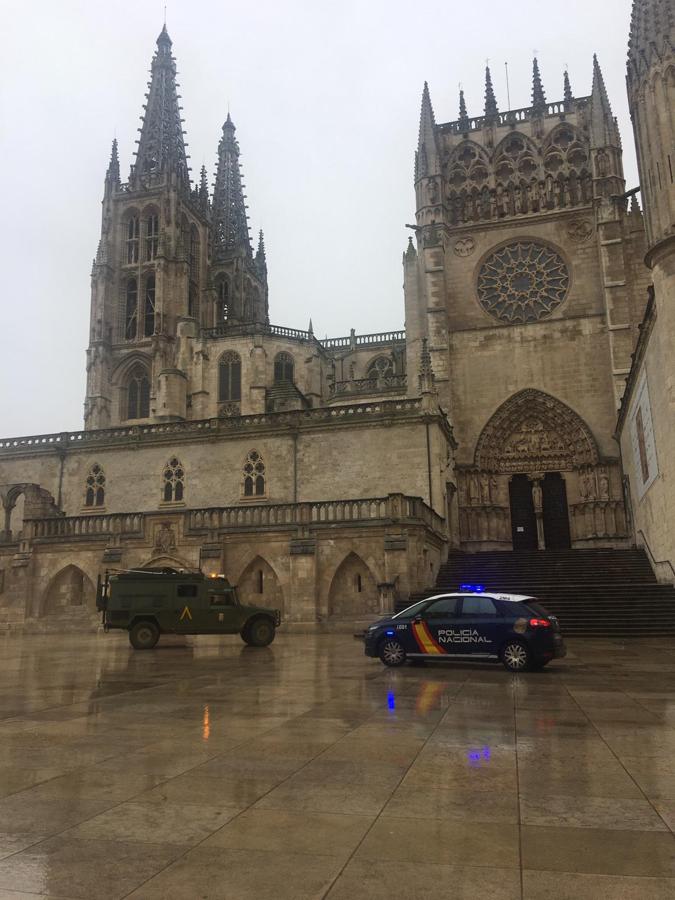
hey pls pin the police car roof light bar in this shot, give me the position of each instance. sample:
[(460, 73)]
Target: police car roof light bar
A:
[(474, 588)]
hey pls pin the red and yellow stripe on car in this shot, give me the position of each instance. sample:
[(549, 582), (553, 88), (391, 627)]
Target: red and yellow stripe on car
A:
[(424, 639)]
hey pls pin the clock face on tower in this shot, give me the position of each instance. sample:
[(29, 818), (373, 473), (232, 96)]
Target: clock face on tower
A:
[(522, 282)]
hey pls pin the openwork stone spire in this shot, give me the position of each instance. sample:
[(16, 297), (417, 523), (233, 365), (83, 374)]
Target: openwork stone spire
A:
[(161, 148), (652, 34), (229, 209), (427, 155), (604, 129), (491, 110), (567, 90), (538, 95)]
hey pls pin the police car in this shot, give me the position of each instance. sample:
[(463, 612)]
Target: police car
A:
[(471, 623)]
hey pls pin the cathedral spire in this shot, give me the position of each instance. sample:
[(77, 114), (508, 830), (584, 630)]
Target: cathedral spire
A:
[(426, 374), (427, 153), (463, 114), (604, 130), (229, 209), (491, 110), (161, 147), (538, 95), (112, 176), (567, 88)]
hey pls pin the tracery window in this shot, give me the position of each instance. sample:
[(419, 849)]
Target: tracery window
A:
[(522, 282), (380, 367), (283, 368), (131, 310), (173, 480), (133, 232), (151, 237), (149, 307), (229, 377), (95, 489), (138, 394), (254, 475)]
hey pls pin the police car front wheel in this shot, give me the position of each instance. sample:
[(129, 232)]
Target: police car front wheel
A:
[(392, 653), (516, 657)]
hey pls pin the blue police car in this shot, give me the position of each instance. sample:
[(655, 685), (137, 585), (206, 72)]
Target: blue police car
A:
[(470, 623)]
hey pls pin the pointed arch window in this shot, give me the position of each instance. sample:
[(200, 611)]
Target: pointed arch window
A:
[(138, 394), (151, 237), (254, 475), (95, 487), (229, 377), (173, 481), (133, 233), (131, 310), (222, 300), (149, 307), (283, 368)]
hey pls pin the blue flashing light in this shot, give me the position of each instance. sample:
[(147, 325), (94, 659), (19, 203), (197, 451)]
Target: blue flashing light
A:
[(390, 633), (391, 700), (474, 588)]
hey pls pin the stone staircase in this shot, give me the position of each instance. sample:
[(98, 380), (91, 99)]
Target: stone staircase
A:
[(594, 593)]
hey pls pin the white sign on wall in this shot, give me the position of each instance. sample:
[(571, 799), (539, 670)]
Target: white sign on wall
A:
[(642, 438)]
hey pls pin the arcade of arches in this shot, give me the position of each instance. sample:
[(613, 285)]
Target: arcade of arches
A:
[(538, 481)]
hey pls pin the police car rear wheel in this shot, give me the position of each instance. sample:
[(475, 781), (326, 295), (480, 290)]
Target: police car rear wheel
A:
[(516, 656), (259, 633), (144, 635), (392, 653)]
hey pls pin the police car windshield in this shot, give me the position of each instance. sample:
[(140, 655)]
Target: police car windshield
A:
[(411, 610)]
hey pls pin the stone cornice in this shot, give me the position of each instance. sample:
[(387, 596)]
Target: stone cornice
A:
[(294, 421)]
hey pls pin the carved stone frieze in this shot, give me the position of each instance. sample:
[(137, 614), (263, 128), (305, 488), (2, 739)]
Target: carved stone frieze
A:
[(580, 230), (464, 246)]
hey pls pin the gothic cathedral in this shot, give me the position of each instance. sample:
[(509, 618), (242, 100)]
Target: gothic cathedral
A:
[(527, 401)]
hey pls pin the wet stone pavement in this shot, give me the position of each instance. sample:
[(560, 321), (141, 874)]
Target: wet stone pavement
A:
[(211, 770)]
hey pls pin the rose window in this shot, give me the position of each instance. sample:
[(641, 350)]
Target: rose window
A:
[(522, 282)]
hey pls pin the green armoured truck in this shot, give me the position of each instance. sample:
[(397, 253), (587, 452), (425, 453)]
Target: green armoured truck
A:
[(151, 602)]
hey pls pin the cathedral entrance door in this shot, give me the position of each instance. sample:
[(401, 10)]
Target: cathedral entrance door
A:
[(523, 518), (555, 513)]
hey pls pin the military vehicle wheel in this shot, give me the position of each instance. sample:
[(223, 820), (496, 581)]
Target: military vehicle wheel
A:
[(259, 632), (144, 635)]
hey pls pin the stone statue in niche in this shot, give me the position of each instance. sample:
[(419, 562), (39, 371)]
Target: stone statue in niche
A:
[(484, 487), (494, 490), (474, 489), (587, 486), (603, 485), (537, 495), (602, 163)]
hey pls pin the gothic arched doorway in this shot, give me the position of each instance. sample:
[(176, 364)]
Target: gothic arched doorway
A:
[(528, 445)]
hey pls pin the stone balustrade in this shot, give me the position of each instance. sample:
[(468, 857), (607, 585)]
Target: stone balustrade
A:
[(363, 386), (201, 427), (245, 517)]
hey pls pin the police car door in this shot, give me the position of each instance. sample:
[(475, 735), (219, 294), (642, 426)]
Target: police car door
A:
[(480, 625), (433, 630)]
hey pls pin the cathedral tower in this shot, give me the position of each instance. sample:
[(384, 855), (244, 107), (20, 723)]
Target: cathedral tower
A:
[(524, 281), (170, 264)]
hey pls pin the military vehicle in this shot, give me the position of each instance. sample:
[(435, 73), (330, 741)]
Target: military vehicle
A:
[(151, 602)]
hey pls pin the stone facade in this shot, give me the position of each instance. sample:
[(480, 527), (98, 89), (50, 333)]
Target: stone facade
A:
[(646, 427), (329, 478)]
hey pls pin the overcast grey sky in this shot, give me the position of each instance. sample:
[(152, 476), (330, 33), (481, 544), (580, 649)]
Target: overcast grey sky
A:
[(325, 95)]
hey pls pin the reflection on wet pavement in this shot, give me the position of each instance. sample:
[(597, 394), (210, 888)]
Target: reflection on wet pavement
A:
[(304, 770)]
